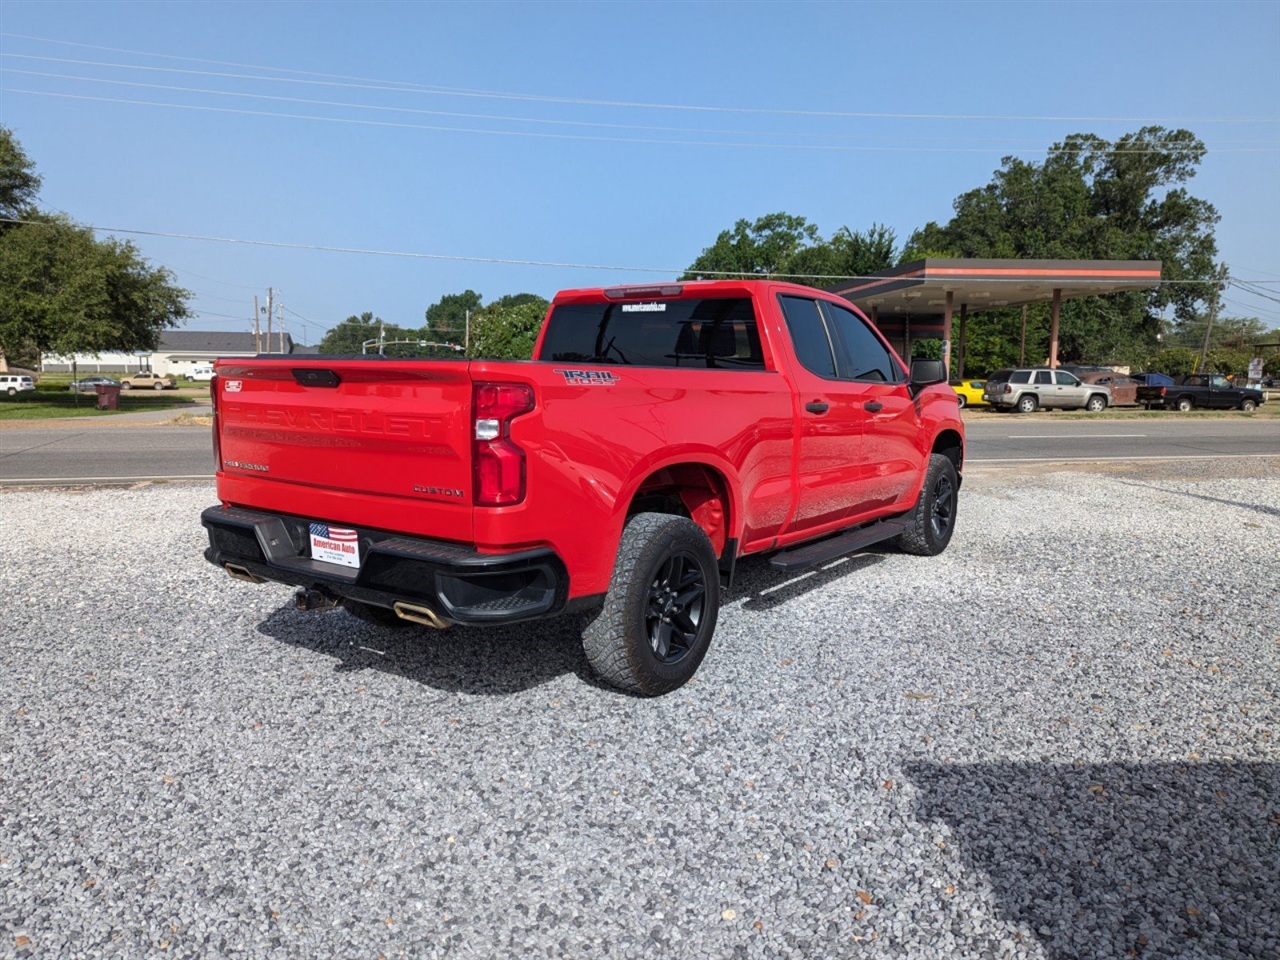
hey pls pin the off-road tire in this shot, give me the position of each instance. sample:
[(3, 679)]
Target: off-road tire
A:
[(1183, 405), (1248, 406), (934, 518), (619, 643), (1096, 403), (378, 616), (1027, 403)]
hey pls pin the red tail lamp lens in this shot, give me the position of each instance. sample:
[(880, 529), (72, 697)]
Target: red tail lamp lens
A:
[(498, 463)]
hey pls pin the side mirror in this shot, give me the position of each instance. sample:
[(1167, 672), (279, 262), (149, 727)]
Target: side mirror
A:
[(924, 373)]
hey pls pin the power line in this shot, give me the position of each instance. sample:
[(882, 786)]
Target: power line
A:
[(410, 87), (552, 136), (668, 271), (1148, 146)]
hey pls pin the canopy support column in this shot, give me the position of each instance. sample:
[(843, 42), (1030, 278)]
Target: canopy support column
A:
[(946, 332), (1053, 328), (964, 322)]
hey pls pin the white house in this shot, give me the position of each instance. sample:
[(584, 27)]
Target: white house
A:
[(179, 352)]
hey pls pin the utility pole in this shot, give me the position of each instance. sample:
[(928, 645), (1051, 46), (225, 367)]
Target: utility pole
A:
[(382, 338), (1213, 314), (257, 330), (466, 339), (280, 308), (270, 311)]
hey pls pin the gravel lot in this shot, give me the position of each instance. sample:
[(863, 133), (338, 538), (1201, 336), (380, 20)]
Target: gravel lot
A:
[(1059, 739)]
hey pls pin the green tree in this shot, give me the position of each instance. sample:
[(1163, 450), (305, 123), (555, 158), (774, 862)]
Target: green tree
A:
[(516, 300), (788, 247), (19, 183), (1091, 199), (507, 333), (447, 317), (63, 291), (1176, 361), (349, 336)]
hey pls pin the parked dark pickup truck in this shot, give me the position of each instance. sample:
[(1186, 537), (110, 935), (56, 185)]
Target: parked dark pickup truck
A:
[(1205, 390)]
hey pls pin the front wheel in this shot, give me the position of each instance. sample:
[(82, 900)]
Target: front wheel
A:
[(1248, 406), (1027, 404), (1097, 403), (1184, 404), (159, 386), (934, 519), (661, 609)]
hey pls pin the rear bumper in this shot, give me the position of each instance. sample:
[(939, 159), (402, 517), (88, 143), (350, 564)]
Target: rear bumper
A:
[(458, 583)]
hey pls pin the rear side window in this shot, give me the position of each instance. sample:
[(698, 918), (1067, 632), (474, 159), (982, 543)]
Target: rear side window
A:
[(1020, 376), (809, 336), (862, 355), (713, 332)]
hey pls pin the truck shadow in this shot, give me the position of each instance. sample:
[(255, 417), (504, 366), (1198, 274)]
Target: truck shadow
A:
[(492, 661), (1120, 860), (760, 587)]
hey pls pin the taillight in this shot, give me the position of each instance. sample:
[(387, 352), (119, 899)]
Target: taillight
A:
[(217, 443), (1163, 390), (498, 465), (1008, 388)]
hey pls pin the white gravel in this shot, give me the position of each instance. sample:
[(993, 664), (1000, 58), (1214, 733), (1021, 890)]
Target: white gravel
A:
[(1057, 740)]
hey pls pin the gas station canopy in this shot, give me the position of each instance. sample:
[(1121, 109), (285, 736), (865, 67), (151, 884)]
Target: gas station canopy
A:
[(919, 298)]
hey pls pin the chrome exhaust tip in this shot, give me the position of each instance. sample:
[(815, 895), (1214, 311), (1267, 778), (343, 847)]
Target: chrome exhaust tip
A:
[(238, 572), (423, 615)]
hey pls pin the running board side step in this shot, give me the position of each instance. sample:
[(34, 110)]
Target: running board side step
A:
[(811, 554)]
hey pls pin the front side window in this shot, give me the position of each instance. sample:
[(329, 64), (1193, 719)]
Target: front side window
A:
[(1065, 379), (809, 336), (862, 355), (719, 333)]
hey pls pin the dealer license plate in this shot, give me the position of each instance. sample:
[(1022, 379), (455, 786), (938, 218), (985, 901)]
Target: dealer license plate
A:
[(338, 545)]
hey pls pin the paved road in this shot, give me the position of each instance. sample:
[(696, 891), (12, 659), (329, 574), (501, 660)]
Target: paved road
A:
[(106, 450)]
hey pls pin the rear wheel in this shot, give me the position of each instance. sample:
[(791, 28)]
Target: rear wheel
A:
[(963, 402), (934, 519), (1027, 403), (1248, 406), (1097, 403), (661, 609), (125, 385), (12, 391), (1184, 404), (158, 386)]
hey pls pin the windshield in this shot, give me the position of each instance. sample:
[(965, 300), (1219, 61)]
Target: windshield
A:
[(712, 332)]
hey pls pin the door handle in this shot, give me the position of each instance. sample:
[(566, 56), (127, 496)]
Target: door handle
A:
[(816, 407), (873, 406)]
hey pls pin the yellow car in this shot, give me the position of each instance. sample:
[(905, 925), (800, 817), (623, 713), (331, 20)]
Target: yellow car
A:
[(969, 392)]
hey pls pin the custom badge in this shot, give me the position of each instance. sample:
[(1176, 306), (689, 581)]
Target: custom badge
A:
[(588, 378)]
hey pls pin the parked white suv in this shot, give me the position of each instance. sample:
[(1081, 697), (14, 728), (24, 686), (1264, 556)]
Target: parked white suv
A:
[(1035, 388), (12, 383)]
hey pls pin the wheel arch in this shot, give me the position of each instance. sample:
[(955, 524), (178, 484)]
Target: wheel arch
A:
[(704, 492), (950, 444)]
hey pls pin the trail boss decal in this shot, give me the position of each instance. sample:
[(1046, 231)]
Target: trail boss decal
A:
[(588, 378)]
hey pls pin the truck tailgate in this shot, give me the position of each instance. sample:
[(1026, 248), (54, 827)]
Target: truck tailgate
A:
[(349, 440)]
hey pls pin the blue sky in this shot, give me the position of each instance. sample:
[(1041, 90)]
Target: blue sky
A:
[(581, 189)]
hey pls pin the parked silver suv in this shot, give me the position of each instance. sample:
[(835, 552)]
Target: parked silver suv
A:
[(1038, 388)]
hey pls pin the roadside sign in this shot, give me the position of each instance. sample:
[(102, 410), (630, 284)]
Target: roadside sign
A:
[(1255, 368)]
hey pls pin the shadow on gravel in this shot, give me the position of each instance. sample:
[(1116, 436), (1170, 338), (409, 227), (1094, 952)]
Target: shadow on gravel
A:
[(488, 661), (1121, 860), (764, 588), (1255, 507)]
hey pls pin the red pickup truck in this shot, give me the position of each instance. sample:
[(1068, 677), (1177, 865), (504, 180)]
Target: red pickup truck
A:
[(658, 434)]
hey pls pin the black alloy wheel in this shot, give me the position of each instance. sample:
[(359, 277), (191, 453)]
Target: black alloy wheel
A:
[(943, 511), (677, 601)]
